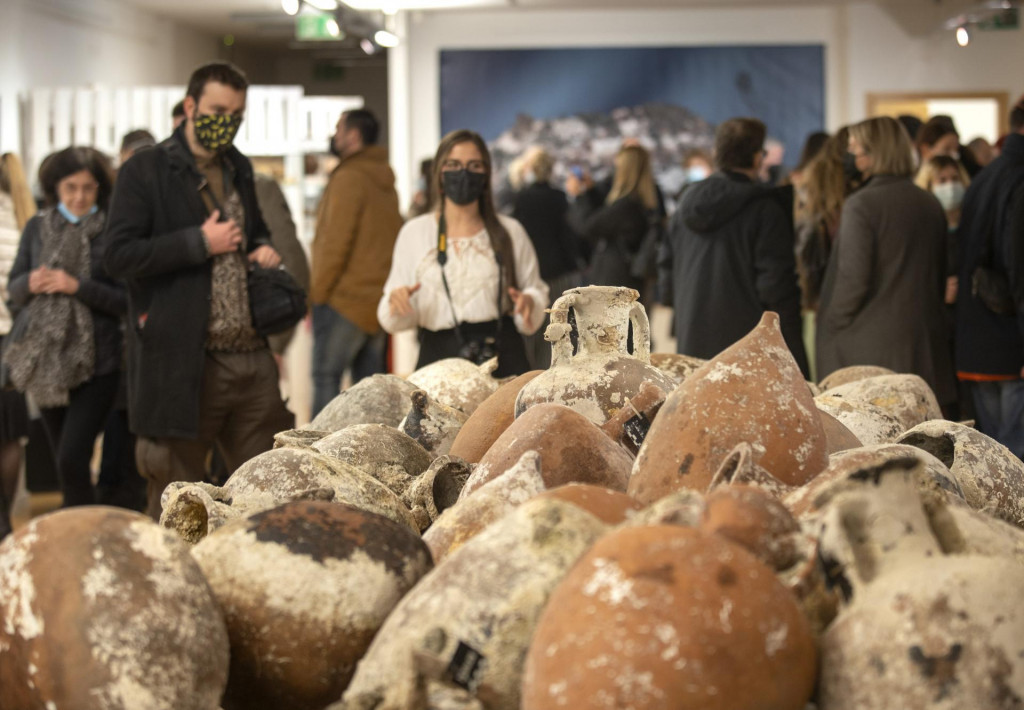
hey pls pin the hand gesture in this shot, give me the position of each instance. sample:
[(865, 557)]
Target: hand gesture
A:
[(400, 300), (38, 280), (221, 237), (523, 304), (266, 257), (47, 280)]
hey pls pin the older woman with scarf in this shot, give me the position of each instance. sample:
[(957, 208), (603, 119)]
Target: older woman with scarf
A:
[(65, 347)]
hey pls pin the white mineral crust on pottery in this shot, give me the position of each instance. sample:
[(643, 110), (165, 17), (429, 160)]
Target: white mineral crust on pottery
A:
[(854, 373), (922, 628), (991, 477), (270, 479), (101, 609), (437, 489), (432, 424), (597, 380), (387, 454), (490, 503), (488, 594), (907, 397), (869, 423), (378, 399), (677, 366), (457, 383)]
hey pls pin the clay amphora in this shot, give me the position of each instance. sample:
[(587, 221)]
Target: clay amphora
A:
[(921, 628), (487, 596), (572, 450), (630, 425), (432, 424), (101, 609), (270, 479), (457, 383), (854, 373), (837, 434), (597, 375), (906, 397), (437, 489), (608, 506), (304, 587), (677, 366), (494, 415), (670, 617), (379, 399), (496, 499), (990, 476), (869, 423), (385, 453), (751, 392)]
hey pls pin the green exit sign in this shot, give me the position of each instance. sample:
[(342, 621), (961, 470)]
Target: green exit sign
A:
[(1008, 19), (317, 27)]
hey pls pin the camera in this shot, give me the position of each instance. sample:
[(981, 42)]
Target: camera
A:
[(479, 350)]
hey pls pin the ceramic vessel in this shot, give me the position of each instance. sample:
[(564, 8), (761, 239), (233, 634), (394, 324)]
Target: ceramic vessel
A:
[(670, 617), (751, 392), (487, 596), (597, 375), (630, 425), (755, 520), (304, 587), (379, 399), (457, 383), (494, 415), (677, 366), (437, 489), (906, 397), (990, 476), (496, 499), (739, 469), (266, 481), (387, 454), (921, 628), (298, 438), (854, 373), (572, 450), (608, 506), (432, 424), (101, 609), (837, 435), (869, 423)]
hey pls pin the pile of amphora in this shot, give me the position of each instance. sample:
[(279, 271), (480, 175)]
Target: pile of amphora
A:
[(620, 531)]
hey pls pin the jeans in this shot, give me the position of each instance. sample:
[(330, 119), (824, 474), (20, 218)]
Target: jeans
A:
[(999, 407), (338, 345)]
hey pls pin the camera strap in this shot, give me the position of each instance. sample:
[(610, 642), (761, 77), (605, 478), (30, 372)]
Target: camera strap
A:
[(442, 259)]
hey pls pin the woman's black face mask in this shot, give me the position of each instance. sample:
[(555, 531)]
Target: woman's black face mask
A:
[(463, 187)]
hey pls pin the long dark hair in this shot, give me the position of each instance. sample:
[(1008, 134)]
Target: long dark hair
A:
[(501, 242)]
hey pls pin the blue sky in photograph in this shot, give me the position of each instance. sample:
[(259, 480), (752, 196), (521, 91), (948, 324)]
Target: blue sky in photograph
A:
[(784, 86)]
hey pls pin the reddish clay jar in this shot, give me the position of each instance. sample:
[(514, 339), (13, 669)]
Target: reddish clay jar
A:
[(572, 450), (494, 415), (608, 506), (670, 617), (752, 392)]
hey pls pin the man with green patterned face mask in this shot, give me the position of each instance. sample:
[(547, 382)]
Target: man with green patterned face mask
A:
[(184, 226)]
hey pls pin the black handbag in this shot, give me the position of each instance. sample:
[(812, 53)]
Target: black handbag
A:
[(276, 300)]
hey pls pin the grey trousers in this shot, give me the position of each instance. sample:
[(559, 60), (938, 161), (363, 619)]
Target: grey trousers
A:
[(240, 411)]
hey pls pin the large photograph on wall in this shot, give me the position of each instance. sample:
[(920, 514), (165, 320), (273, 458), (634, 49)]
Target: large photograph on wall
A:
[(581, 104)]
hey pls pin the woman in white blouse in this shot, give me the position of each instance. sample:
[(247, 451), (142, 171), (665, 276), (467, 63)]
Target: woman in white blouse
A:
[(464, 276)]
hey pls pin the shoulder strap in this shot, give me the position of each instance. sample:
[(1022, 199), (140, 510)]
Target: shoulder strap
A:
[(442, 259)]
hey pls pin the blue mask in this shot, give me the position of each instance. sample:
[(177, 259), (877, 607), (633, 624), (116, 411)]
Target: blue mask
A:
[(62, 208), (696, 173)]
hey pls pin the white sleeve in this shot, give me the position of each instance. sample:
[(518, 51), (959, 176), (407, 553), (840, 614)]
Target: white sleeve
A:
[(403, 273), (528, 274)]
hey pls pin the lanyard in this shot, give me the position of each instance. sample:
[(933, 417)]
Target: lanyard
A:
[(442, 259)]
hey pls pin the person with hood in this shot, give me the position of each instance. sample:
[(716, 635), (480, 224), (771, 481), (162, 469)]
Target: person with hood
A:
[(729, 255), (355, 236)]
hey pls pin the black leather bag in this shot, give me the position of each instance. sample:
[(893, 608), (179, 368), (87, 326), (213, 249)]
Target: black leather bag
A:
[(276, 300)]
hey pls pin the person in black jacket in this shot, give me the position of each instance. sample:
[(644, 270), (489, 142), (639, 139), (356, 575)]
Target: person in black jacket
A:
[(184, 224), (728, 256), (990, 344), (543, 212), (65, 347)]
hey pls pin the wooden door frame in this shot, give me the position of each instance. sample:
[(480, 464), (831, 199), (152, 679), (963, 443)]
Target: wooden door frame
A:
[(1001, 98)]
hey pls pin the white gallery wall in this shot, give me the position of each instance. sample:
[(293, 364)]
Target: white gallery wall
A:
[(866, 50)]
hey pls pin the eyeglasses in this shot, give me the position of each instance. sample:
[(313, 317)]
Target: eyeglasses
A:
[(473, 166)]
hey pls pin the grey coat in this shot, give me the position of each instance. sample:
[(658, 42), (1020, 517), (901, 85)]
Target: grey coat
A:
[(882, 298)]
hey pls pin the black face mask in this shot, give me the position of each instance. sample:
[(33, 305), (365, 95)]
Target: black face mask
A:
[(462, 186), (850, 169)]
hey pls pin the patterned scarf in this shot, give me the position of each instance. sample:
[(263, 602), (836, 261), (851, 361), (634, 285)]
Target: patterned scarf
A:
[(57, 351)]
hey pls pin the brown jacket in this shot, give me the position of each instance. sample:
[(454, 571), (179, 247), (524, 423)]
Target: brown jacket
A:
[(355, 236)]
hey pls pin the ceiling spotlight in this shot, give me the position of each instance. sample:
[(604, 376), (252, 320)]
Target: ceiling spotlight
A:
[(963, 37), (333, 29), (291, 6), (368, 46), (324, 5), (385, 38)]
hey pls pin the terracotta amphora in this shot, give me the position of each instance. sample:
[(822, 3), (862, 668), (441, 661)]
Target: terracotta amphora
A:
[(101, 609), (751, 392), (304, 588), (494, 415), (379, 399), (596, 374), (457, 383)]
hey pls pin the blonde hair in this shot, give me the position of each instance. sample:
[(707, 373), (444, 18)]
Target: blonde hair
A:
[(633, 177), (14, 182), (540, 162), (933, 166), (887, 142)]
